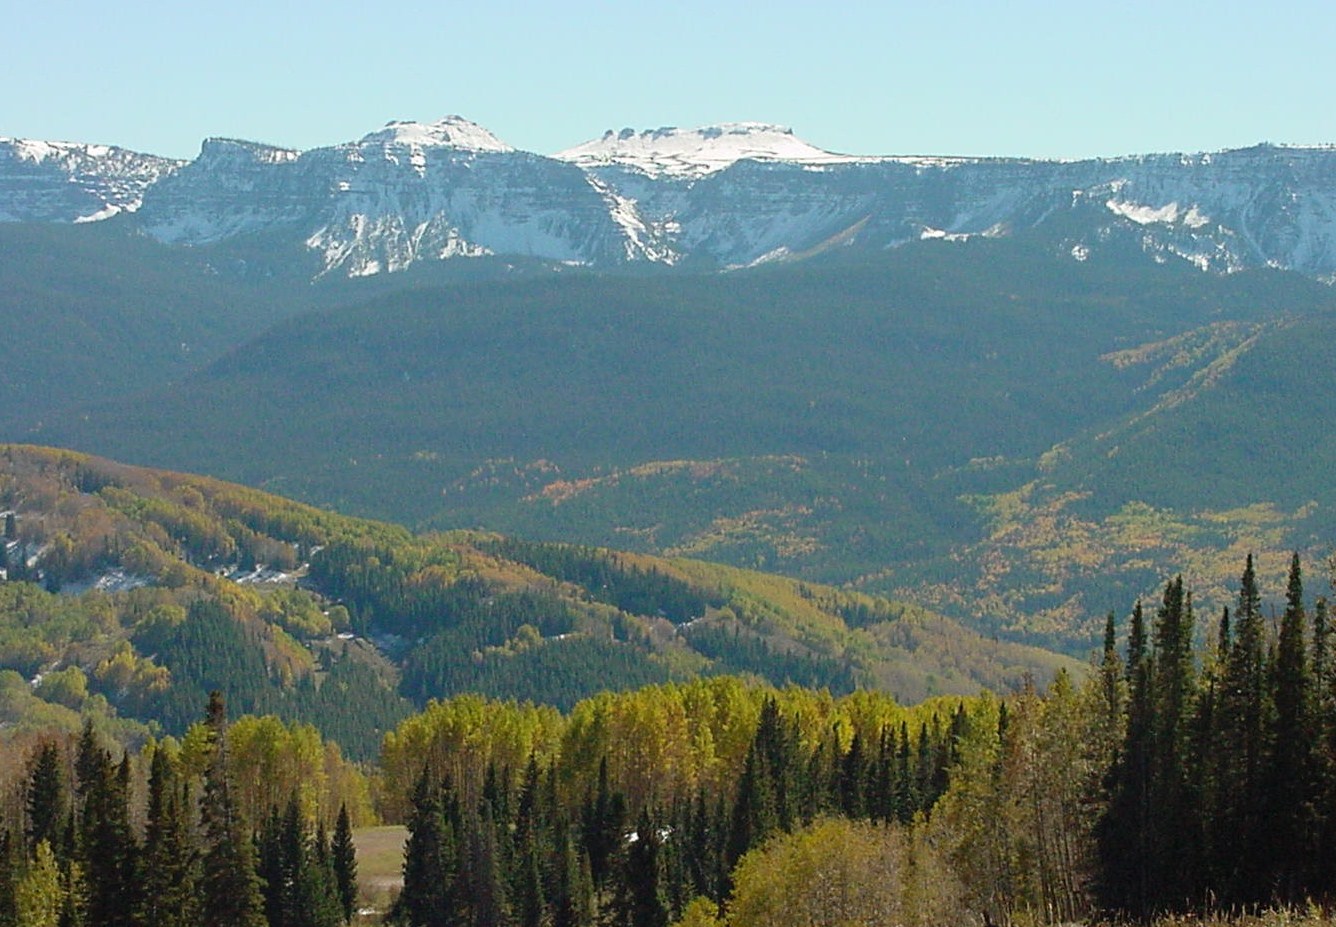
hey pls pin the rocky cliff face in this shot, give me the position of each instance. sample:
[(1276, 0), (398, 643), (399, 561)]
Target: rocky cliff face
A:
[(72, 182), (716, 197), (408, 193)]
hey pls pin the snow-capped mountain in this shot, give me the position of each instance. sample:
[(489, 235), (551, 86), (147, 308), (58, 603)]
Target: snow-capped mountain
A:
[(73, 182), (720, 196), (693, 153), (406, 193)]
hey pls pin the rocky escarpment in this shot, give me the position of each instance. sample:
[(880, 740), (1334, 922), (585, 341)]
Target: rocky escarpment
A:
[(716, 197)]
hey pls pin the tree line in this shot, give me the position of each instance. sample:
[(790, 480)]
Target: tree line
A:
[(89, 853), (1223, 791), (550, 850), (1174, 777)]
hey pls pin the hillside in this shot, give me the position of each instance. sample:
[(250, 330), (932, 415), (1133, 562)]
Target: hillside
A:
[(132, 593), (845, 420)]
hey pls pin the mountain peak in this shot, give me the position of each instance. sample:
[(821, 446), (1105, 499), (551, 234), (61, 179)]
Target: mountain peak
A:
[(696, 152), (451, 132)]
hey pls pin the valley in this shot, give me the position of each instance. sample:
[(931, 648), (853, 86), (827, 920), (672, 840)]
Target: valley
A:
[(683, 527)]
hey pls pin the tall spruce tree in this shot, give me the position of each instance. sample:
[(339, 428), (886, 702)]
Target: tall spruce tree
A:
[(108, 852), (640, 900), (318, 901), (1173, 808), (601, 823), (170, 859), (1244, 712), (430, 863), (229, 887), (47, 799), (1289, 786), (487, 900), (1123, 832), (754, 817), (344, 862)]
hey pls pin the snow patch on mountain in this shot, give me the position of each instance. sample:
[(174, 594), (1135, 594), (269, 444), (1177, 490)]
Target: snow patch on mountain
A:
[(1168, 214), (44, 181), (730, 195), (449, 132), (685, 153), (643, 240), (348, 247)]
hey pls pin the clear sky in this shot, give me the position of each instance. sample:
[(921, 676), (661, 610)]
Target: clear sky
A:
[(1042, 79)]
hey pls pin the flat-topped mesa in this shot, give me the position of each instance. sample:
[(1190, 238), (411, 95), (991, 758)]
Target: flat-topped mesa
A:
[(696, 152), (221, 150), (450, 132)]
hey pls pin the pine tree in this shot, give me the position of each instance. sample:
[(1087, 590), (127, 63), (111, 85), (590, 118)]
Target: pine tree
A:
[(640, 899), (344, 862), (907, 799), (852, 774), (170, 861), (488, 902), (776, 744), (1122, 833), (1291, 823), (229, 887), (573, 889), (47, 802), (1172, 803), (429, 862), (317, 892), (754, 816), (269, 866), (1324, 748), (528, 894), (1244, 711), (107, 849), (1111, 672), (601, 822)]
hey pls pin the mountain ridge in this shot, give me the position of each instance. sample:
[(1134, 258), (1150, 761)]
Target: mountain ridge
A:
[(714, 197)]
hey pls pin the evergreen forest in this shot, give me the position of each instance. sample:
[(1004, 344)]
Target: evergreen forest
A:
[(1170, 778)]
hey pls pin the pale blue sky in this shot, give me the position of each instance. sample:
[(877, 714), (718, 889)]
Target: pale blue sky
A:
[(1041, 79)]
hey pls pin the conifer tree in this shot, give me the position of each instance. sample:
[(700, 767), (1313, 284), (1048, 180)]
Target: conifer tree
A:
[(1324, 745), (640, 901), (1244, 711), (47, 802), (776, 744), (269, 866), (1122, 834), (528, 893), (344, 862), (1288, 787), (754, 816), (601, 826), (572, 892), (170, 860), (229, 887), (317, 892), (1172, 804), (486, 897), (852, 774), (430, 870), (107, 849), (906, 785)]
